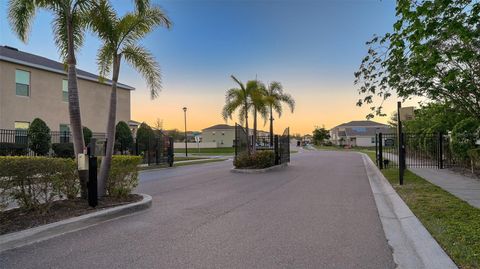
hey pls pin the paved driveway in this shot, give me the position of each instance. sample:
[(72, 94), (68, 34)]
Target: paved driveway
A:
[(317, 213)]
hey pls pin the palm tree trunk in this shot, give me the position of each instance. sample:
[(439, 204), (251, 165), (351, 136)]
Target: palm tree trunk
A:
[(254, 140), (271, 126), (112, 113), (74, 107)]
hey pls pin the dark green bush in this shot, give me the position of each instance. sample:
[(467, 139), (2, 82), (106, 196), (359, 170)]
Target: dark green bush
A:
[(123, 176), (123, 137), (464, 137), (258, 160), (13, 149), (34, 182), (145, 135), (63, 150), (39, 137), (87, 135)]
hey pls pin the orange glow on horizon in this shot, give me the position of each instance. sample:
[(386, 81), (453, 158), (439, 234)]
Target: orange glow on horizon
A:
[(320, 107)]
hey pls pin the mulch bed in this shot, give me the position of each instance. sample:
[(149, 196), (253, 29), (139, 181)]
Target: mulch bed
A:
[(17, 219)]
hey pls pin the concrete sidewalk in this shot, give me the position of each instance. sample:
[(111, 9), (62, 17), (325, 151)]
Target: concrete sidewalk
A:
[(463, 187)]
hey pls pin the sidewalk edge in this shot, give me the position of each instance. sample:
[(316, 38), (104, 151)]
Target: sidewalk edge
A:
[(412, 245), (51, 230)]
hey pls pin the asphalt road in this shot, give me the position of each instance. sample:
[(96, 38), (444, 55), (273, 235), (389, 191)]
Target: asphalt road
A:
[(317, 213)]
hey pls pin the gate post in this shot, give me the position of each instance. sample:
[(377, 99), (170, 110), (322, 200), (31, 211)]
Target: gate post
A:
[(440, 150), (402, 158), (236, 140), (380, 150), (277, 153)]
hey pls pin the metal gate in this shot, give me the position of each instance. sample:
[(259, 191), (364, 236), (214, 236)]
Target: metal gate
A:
[(428, 150), (281, 144), (157, 150)]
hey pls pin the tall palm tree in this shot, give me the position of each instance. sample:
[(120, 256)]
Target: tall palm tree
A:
[(238, 99), (68, 26), (258, 105), (120, 36), (274, 98)]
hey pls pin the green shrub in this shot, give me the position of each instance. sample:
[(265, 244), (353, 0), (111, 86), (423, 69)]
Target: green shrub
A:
[(145, 135), (258, 160), (34, 182), (13, 149), (123, 176), (87, 135), (464, 137), (63, 150), (39, 137), (123, 136)]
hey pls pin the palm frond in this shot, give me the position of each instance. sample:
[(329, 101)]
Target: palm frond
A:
[(142, 60), (20, 16), (105, 60)]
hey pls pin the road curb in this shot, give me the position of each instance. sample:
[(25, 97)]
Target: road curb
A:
[(51, 230), (412, 245), (259, 171)]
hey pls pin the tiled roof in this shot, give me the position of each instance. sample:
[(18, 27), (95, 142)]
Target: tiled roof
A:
[(13, 55)]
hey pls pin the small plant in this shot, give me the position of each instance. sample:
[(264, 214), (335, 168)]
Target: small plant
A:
[(258, 160), (34, 182), (123, 137), (87, 135), (123, 176), (63, 150), (39, 137)]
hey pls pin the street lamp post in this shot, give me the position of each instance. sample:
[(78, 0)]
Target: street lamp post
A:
[(185, 116)]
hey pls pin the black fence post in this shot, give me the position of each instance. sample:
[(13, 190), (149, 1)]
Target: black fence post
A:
[(440, 150), (236, 140), (402, 158), (380, 150), (148, 151), (277, 153), (92, 184)]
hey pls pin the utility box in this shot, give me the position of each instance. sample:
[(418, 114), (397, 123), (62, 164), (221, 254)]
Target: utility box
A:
[(82, 161)]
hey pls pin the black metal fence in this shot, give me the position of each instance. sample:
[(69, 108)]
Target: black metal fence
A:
[(280, 145), (428, 150), (157, 149)]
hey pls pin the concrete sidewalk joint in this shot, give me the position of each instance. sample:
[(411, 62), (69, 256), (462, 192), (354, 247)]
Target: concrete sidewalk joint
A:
[(51, 230), (259, 171), (412, 245)]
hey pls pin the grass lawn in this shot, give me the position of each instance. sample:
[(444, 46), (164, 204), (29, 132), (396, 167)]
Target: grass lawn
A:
[(452, 222), (151, 167), (179, 157), (206, 151)]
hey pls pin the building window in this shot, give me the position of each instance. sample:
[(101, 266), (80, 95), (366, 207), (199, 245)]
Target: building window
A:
[(223, 133), (221, 142), (21, 132), (64, 133), (65, 90), (373, 140), (22, 83)]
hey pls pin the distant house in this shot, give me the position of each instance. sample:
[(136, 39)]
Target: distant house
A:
[(221, 134), (357, 133), (224, 135)]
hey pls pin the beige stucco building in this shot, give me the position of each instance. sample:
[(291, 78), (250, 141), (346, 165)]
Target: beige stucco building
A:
[(32, 86), (224, 135)]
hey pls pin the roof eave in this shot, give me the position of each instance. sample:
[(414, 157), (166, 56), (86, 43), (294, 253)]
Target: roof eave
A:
[(12, 60)]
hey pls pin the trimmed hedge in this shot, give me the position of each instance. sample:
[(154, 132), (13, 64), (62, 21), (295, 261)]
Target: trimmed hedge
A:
[(63, 150), (13, 149), (123, 175), (34, 182), (258, 160)]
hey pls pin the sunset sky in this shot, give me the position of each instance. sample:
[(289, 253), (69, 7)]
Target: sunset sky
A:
[(312, 47)]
